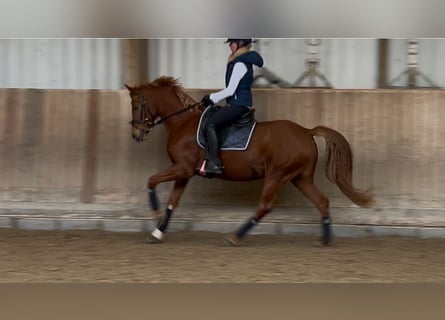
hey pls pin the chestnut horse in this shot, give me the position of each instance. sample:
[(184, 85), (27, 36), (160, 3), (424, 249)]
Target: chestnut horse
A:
[(279, 152)]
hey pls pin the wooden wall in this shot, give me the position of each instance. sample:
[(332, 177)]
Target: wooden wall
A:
[(75, 146)]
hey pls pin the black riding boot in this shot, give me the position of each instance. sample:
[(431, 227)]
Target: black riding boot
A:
[(214, 164)]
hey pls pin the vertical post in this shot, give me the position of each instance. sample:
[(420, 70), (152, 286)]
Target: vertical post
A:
[(383, 45), (135, 62), (313, 60), (312, 63), (412, 62), (89, 176)]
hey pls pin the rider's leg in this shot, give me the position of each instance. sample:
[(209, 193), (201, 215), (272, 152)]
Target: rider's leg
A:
[(222, 118), (214, 164)]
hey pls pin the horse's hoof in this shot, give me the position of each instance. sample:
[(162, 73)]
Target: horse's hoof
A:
[(153, 240), (230, 241), (321, 244), (326, 241)]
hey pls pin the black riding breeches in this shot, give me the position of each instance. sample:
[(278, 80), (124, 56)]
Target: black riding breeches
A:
[(227, 115)]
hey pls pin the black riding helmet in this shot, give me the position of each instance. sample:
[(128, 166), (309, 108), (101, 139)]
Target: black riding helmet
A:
[(240, 42)]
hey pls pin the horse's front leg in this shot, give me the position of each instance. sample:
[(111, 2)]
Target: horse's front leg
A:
[(181, 178), (158, 234)]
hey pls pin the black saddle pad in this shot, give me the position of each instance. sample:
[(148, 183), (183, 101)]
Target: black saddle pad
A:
[(234, 137)]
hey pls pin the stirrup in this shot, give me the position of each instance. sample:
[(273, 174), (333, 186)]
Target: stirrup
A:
[(214, 169), (206, 171)]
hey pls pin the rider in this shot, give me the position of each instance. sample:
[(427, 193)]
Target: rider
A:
[(238, 95)]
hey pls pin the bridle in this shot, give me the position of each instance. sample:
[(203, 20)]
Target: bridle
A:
[(147, 117), (144, 119)]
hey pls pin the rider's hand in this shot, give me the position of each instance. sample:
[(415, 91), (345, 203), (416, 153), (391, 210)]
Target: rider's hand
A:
[(206, 101)]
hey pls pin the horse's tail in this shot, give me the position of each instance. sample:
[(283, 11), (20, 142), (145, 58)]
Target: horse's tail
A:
[(339, 165)]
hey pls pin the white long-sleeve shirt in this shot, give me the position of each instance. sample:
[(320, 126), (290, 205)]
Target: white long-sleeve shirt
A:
[(239, 70)]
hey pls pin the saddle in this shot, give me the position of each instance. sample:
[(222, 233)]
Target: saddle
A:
[(234, 137)]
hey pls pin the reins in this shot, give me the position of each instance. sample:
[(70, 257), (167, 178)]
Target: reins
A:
[(162, 120), (149, 124)]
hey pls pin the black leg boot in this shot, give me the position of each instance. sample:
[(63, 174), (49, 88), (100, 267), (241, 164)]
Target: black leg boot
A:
[(214, 164)]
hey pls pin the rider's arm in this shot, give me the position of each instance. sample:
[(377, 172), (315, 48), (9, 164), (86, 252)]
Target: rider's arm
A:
[(239, 70)]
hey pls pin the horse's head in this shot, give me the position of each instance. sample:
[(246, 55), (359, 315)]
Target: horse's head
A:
[(143, 116), (162, 98)]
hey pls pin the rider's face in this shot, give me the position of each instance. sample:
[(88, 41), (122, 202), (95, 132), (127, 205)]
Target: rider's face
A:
[(233, 46)]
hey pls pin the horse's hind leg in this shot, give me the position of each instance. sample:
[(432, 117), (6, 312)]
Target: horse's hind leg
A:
[(307, 187), (269, 194)]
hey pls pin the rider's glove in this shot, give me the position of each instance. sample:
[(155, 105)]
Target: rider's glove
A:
[(206, 101)]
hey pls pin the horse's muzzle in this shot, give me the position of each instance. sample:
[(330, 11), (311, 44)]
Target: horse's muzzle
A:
[(138, 137), (138, 132)]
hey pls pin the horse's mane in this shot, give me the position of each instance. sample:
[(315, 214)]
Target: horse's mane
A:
[(164, 81), (168, 81)]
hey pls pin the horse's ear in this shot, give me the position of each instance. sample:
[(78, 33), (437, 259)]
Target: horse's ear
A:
[(127, 86)]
